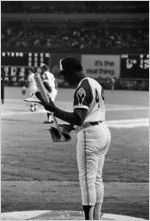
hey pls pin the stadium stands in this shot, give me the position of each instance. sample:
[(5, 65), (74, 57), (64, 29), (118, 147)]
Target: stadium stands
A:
[(82, 36), (83, 27)]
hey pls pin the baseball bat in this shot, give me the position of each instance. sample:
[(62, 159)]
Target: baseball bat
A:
[(41, 87)]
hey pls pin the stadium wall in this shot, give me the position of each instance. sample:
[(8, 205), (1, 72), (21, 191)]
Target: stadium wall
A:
[(101, 66)]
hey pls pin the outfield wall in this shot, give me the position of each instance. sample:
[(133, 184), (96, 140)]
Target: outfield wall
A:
[(108, 66), (15, 64)]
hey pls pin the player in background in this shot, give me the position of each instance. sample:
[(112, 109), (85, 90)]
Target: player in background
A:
[(49, 82), (32, 88), (112, 82), (93, 136)]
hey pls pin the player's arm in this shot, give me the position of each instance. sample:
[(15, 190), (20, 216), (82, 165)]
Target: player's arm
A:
[(82, 100), (75, 118)]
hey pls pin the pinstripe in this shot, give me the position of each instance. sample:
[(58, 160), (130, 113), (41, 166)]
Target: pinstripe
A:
[(85, 163)]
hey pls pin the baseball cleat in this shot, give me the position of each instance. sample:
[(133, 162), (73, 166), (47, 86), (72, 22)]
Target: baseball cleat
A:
[(33, 99)]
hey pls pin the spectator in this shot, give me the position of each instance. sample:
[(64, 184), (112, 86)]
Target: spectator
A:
[(85, 36)]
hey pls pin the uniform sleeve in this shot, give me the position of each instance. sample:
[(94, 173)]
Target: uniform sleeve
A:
[(83, 95)]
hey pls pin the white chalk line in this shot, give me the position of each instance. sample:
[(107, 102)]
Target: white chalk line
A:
[(128, 123), (10, 113), (121, 123), (127, 108), (123, 108)]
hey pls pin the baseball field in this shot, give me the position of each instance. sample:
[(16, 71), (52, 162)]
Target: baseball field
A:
[(39, 175)]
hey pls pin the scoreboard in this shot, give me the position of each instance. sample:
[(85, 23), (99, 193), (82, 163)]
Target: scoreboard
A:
[(135, 66), (24, 59), (129, 65)]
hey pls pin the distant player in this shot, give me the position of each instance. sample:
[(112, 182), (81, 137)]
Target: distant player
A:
[(32, 88), (112, 82), (49, 82), (93, 136)]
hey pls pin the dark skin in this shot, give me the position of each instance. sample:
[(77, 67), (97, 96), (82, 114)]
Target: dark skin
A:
[(74, 118)]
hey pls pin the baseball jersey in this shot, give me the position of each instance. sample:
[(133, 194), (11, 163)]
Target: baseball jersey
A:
[(89, 95), (31, 83), (31, 80)]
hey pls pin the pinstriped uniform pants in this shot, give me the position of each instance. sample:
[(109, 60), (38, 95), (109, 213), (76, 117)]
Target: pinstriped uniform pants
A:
[(92, 145)]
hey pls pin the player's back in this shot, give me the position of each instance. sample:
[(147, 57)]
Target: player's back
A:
[(89, 95)]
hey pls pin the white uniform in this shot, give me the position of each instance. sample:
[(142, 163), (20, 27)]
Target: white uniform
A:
[(32, 88), (31, 84), (93, 141), (50, 79)]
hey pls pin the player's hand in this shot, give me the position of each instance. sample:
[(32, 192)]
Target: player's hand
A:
[(48, 106)]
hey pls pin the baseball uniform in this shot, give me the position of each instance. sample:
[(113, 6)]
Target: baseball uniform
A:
[(31, 84), (32, 88), (49, 79), (93, 140)]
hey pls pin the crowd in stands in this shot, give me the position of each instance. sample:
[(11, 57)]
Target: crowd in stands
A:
[(82, 37), (75, 7)]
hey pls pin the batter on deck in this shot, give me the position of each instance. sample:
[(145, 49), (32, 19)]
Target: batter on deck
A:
[(93, 136)]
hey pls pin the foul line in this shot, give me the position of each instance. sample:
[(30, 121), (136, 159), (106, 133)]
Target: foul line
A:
[(128, 123), (118, 124), (121, 123)]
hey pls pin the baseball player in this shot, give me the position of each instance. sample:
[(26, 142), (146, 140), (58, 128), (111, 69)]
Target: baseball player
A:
[(93, 136), (49, 82), (32, 88)]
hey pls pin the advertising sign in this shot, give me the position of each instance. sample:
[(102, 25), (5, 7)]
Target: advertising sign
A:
[(105, 66)]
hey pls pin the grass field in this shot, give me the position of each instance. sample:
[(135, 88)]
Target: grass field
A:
[(37, 174)]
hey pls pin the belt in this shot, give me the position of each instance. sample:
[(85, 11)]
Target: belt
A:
[(87, 124), (93, 123)]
